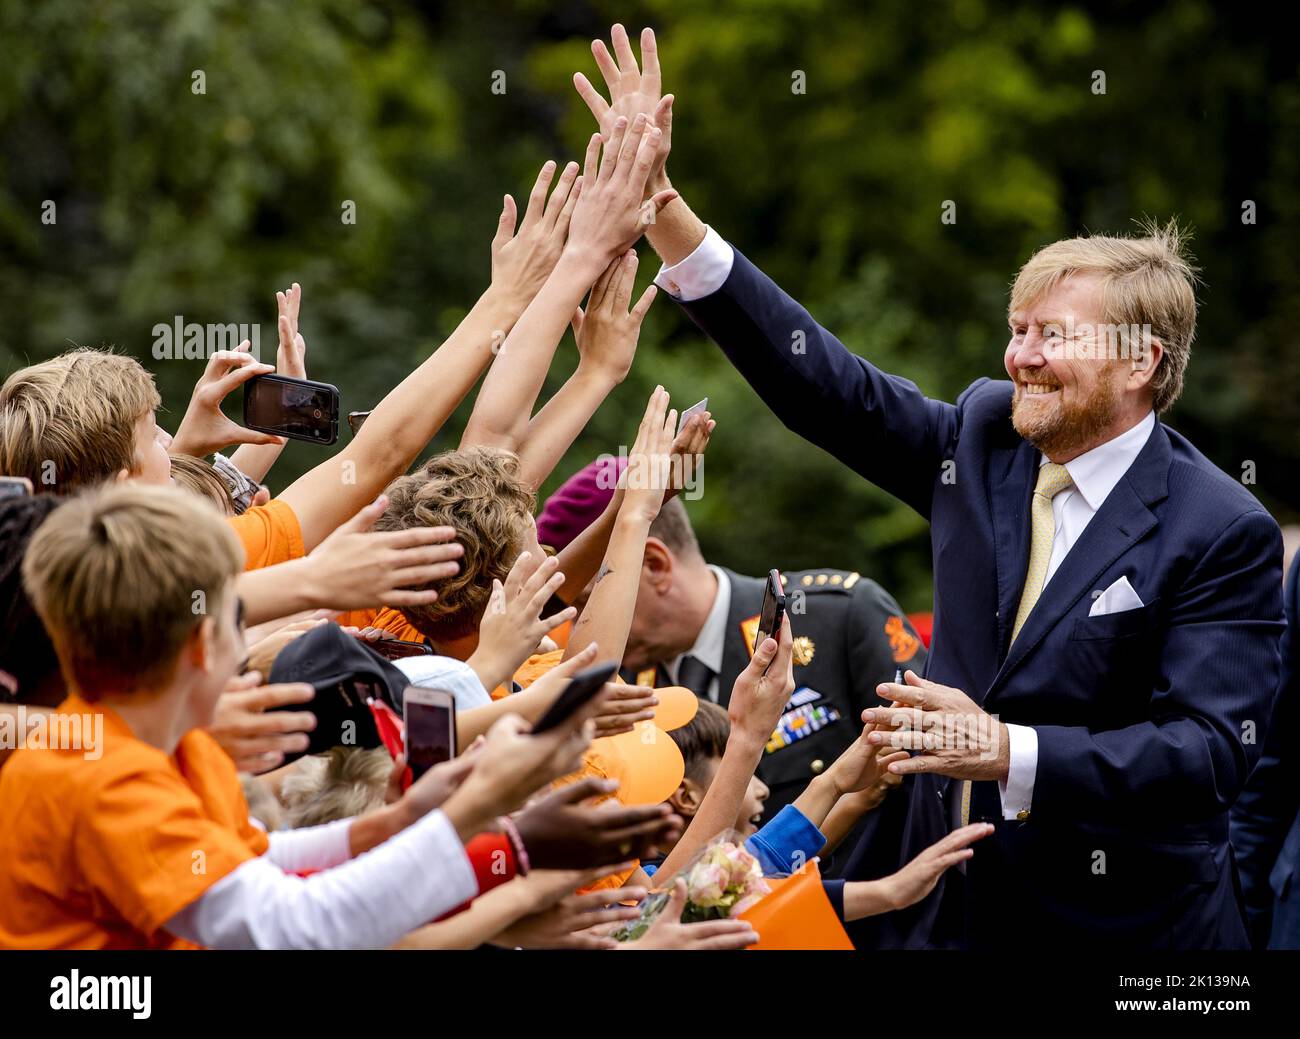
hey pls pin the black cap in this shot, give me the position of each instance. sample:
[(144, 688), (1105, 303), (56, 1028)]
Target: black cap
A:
[(345, 673)]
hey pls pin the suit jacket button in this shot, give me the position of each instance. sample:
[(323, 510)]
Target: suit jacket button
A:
[(1023, 814), (818, 767)]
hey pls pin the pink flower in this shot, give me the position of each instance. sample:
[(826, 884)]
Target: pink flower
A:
[(706, 884)]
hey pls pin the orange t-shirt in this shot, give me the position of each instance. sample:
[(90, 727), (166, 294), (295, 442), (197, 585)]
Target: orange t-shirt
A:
[(385, 618), (270, 534), (99, 853)]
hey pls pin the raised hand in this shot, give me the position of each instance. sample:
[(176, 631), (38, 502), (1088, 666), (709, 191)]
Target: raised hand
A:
[(918, 878), (646, 480), (632, 91), (356, 568), (610, 215), (763, 688), (560, 832), (205, 427), (607, 331), (512, 625), (522, 260), (291, 354), (256, 737), (687, 461)]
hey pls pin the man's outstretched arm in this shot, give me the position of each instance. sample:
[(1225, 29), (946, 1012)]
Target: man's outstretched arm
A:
[(880, 425)]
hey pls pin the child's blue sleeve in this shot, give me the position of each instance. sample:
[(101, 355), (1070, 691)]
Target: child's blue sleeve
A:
[(786, 843)]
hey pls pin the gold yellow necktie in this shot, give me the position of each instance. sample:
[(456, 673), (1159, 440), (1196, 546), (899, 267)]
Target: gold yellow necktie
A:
[(1052, 480)]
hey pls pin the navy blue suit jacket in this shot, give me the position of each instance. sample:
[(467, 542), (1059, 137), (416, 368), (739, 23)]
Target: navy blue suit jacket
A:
[(1266, 819), (1140, 714)]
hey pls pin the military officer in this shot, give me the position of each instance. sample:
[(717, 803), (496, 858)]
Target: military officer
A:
[(695, 623)]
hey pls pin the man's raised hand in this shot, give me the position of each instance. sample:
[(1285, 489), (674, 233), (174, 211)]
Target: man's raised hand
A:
[(633, 91)]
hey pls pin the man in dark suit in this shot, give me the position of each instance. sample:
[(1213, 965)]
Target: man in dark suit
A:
[(1107, 602), (1266, 818)]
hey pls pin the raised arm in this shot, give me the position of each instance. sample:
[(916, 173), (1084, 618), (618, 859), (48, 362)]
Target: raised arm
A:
[(880, 425), (757, 699), (607, 617), (606, 220), (404, 422), (255, 460), (606, 333)]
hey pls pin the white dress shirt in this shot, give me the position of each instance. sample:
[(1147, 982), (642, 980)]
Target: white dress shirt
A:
[(1095, 474), (713, 635)]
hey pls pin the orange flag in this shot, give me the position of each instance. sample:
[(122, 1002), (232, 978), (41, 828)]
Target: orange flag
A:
[(797, 914)]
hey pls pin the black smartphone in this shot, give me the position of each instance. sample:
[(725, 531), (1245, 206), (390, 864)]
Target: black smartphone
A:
[(15, 487), (581, 688), (356, 419), (430, 716), (770, 616), (299, 409), (398, 649)]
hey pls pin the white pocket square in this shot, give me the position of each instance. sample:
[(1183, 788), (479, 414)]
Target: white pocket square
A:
[(1116, 599)]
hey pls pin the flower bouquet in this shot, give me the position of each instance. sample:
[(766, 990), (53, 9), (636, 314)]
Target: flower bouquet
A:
[(722, 881)]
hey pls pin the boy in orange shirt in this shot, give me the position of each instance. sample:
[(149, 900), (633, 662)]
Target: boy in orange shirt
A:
[(140, 837)]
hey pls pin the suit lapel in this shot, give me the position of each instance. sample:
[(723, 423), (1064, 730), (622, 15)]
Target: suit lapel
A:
[(1124, 519)]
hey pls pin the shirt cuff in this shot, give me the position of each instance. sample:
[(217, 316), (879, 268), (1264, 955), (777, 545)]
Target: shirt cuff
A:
[(700, 274), (1017, 790)]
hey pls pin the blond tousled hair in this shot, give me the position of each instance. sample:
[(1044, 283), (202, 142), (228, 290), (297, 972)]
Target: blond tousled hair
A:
[(340, 784), (1146, 279), (479, 492), (122, 576), (69, 422)]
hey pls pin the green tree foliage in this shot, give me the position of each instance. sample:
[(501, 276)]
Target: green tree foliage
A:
[(823, 137)]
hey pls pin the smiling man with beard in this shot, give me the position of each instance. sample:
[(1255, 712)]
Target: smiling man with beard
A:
[(1107, 602)]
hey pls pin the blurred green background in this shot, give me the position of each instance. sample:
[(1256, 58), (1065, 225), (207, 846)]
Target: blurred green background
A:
[(171, 203)]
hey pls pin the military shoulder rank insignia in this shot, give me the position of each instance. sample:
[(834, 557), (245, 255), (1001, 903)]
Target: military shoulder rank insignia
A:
[(803, 649), (902, 642)]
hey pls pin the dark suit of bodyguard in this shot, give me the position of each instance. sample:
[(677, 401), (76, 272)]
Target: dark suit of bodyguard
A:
[(1140, 714)]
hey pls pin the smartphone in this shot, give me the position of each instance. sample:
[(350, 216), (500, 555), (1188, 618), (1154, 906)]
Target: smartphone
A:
[(399, 649), (15, 487), (770, 616), (694, 409), (299, 409), (356, 419), (430, 716), (581, 688)]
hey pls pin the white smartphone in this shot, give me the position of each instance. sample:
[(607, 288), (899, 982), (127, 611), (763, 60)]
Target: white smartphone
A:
[(694, 409), (430, 719)]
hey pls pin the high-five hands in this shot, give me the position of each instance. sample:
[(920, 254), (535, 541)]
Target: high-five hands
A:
[(610, 215), (957, 738), (632, 91)]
